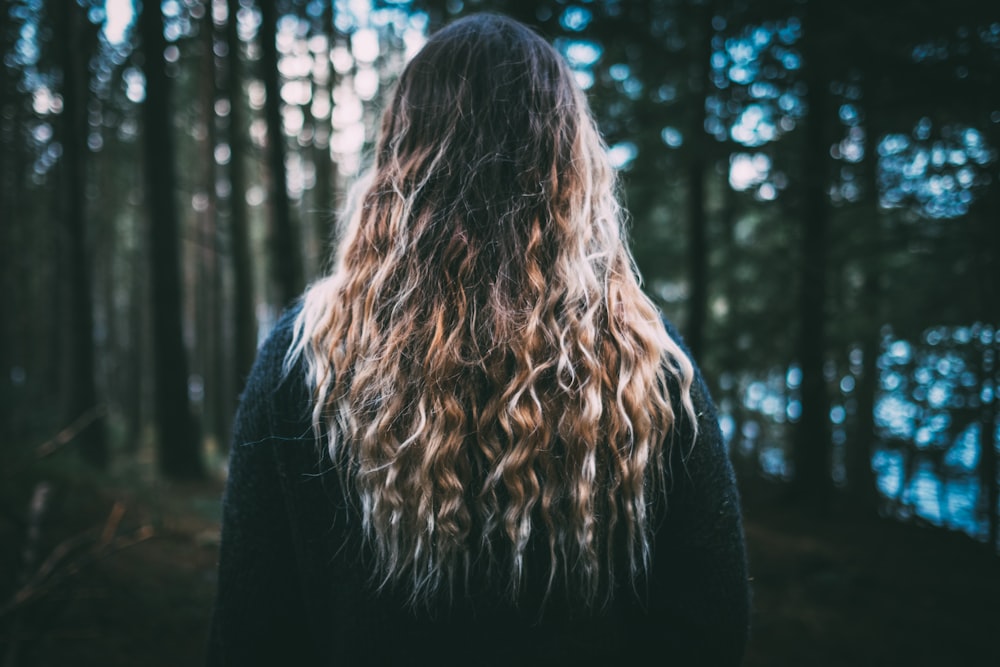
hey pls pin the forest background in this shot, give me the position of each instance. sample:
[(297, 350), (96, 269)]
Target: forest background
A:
[(814, 195)]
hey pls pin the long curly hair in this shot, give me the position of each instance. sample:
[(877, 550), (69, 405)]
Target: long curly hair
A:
[(484, 364)]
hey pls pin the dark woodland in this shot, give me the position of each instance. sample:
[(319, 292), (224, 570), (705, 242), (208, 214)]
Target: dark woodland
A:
[(814, 199)]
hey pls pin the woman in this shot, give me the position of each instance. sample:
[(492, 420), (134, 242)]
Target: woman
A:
[(476, 442)]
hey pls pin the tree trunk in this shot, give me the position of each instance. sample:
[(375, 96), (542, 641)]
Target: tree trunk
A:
[(326, 169), (179, 449), (732, 327), (860, 448), (986, 247), (989, 491), (286, 255), (8, 89), (812, 444), (701, 19), (861, 482), (133, 383), (77, 37), (244, 316), (211, 350), (697, 258)]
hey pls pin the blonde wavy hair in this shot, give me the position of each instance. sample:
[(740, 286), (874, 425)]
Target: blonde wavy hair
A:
[(484, 364)]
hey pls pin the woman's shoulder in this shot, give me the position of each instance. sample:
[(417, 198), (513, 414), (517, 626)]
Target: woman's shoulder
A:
[(275, 388), (271, 364)]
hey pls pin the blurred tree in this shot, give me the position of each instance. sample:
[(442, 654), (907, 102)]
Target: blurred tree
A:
[(283, 239), (324, 81), (813, 484), (76, 37), (698, 18), (179, 448), (9, 130), (989, 495), (244, 318), (34, 350), (861, 444), (210, 299)]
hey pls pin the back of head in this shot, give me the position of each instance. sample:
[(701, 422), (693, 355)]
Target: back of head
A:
[(487, 371)]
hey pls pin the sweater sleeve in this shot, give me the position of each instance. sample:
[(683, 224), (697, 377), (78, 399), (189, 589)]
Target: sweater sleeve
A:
[(698, 588), (258, 617)]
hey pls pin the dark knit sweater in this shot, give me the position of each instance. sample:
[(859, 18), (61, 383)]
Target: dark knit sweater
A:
[(294, 574)]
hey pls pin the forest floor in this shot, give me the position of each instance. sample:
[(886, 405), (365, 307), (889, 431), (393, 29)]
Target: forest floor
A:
[(131, 572), (859, 592)]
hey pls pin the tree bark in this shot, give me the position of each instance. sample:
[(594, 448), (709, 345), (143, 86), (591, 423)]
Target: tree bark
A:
[(861, 482), (860, 476), (697, 258), (134, 381), (326, 168), (701, 19), (212, 353), (76, 38), (244, 316), (179, 451), (985, 239), (989, 490), (285, 251), (8, 91), (812, 442)]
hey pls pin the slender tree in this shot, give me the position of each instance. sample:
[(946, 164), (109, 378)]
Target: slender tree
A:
[(76, 38), (179, 447), (812, 444), (985, 241), (285, 250), (326, 168), (136, 404), (700, 18), (8, 189), (212, 352), (861, 447), (988, 483), (244, 320)]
